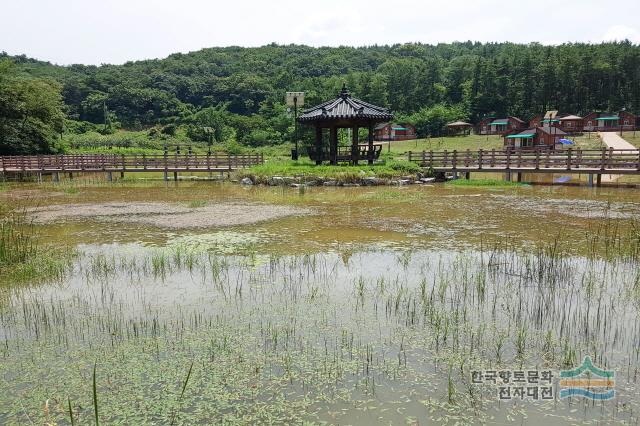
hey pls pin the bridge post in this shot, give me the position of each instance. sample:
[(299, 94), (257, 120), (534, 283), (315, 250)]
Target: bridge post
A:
[(166, 175), (56, 177), (467, 175), (109, 176), (507, 176), (519, 176), (610, 162), (175, 176), (590, 180), (599, 180)]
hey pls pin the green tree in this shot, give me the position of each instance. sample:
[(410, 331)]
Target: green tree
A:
[(31, 116), (431, 121), (209, 124)]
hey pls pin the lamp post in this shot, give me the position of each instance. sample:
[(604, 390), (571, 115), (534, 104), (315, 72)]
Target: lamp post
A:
[(295, 99)]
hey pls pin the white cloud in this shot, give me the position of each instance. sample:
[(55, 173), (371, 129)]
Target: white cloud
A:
[(622, 32), (79, 31)]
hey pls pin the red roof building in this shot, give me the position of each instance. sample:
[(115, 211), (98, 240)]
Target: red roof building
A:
[(546, 137), (609, 122), (394, 132), (500, 126)]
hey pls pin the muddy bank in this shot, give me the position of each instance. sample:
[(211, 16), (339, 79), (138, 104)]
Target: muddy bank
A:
[(166, 215)]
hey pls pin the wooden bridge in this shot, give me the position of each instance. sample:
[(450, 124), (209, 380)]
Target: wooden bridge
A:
[(94, 163), (583, 161)]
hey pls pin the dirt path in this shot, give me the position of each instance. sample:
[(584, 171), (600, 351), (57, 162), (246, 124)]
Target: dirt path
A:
[(613, 140)]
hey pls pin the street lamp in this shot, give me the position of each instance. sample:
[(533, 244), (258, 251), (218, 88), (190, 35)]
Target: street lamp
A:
[(295, 99), (209, 131)]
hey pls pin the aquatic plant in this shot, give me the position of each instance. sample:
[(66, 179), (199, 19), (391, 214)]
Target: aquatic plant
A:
[(21, 257)]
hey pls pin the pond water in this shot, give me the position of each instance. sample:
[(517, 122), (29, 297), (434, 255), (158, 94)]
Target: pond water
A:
[(348, 306)]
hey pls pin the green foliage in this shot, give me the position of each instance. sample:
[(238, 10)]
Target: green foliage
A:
[(238, 92), (208, 124), (31, 116), (75, 127), (403, 166), (431, 121), (22, 259), (122, 139), (344, 174)]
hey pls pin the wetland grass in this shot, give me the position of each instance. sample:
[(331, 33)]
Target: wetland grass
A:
[(486, 182), (314, 337), (22, 259), (194, 204)]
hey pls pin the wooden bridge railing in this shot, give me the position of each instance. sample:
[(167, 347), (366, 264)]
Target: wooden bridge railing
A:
[(569, 159), (115, 162)]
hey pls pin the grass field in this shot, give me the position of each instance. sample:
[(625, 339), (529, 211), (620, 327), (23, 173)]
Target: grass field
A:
[(632, 137), (460, 143), (587, 141)]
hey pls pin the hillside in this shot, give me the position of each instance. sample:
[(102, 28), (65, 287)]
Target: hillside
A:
[(239, 91)]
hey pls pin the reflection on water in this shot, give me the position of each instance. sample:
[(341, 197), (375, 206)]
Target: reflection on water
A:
[(375, 309)]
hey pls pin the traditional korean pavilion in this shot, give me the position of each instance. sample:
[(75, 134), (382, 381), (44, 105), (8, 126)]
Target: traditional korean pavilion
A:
[(459, 128), (344, 112)]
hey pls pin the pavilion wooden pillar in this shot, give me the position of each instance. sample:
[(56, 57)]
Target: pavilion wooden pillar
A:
[(370, 150), (355, 152), (333, 146), (318, 147)]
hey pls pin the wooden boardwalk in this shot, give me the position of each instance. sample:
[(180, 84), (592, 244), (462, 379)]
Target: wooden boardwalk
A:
[(576, 161), (94, 163)]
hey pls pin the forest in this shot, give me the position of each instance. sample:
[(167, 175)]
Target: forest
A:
[(234, 96)]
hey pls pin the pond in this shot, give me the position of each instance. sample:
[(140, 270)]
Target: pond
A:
[(200, 302)]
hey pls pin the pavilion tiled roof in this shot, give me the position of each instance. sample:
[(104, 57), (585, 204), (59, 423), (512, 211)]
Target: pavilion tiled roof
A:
[(459, 124), (345, 107)]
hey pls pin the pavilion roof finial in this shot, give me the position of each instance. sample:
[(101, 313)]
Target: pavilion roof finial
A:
[(344, 93)]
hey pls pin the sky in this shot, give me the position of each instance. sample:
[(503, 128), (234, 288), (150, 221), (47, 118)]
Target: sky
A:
[(117, 31)]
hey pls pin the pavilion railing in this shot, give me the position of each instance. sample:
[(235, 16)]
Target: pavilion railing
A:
[(344, 153)]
